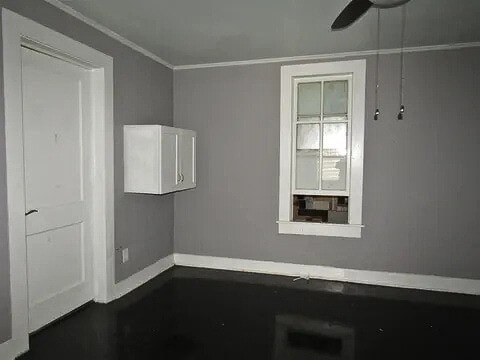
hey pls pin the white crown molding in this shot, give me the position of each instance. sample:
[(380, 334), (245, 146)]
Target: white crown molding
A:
[(69, 10), (401, 280), (330, 56)]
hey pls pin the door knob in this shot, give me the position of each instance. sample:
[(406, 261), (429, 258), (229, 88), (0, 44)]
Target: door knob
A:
[(31, 212)]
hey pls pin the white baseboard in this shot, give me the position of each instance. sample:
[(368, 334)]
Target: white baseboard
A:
[(401, 280), (12, 348), (141, 277)]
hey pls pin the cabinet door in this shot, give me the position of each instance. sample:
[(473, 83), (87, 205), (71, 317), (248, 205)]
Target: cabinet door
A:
[(170, 168), (187, 159)]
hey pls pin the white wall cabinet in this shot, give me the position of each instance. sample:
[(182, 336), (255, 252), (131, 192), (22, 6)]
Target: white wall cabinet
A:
[(158, 159)]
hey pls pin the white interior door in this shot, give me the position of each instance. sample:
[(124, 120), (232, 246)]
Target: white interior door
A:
[(57, 154)]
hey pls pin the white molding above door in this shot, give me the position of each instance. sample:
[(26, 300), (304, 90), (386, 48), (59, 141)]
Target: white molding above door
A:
[(17, 31)]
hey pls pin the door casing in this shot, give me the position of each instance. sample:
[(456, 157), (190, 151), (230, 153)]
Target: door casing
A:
[(18, 31)]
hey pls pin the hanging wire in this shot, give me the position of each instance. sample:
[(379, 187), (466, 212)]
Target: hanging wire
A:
[(377, 111), (402, 63)]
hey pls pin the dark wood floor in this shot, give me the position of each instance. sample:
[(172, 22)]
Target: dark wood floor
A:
[(189, 313)]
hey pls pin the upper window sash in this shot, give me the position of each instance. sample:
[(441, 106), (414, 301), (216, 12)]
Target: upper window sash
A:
[(320, 119)]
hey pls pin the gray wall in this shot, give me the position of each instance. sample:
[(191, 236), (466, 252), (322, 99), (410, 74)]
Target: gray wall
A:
[(143, 92), (421, 200)]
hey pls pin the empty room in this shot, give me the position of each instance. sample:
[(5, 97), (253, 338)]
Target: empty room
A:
[(227, 179)]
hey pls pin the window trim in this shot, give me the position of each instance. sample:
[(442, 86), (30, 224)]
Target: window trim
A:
[(357, 68)]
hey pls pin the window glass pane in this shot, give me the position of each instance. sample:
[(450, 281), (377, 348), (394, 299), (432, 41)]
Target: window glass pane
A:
[(308, 137), (334, 173), (334, 139), (323, 209), (307, 172), (309, 96), (335, 96)]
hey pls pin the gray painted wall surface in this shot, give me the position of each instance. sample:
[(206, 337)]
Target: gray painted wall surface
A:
[(421, 200), (143, 92)]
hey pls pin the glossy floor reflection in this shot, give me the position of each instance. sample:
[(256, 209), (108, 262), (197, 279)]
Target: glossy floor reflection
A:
[(189, 313)]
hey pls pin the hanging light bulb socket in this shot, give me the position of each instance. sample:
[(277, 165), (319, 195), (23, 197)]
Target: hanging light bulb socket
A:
[(400, 113)]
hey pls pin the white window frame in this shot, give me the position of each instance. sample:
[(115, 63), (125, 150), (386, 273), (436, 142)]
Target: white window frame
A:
[(289, 78)]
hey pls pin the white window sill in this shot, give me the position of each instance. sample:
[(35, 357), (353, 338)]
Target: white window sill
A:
[(320, 229)]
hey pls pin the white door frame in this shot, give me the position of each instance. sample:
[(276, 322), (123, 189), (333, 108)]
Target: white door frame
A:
[(18, 30)]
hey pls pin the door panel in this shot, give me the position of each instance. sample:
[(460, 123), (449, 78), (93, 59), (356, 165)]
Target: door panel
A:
[(52, 277), (57, 153), (52, 138)]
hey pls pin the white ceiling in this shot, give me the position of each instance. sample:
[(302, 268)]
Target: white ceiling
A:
[(204, 31)]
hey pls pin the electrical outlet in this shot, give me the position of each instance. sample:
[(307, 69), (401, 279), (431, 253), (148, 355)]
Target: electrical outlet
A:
[(124, 255)]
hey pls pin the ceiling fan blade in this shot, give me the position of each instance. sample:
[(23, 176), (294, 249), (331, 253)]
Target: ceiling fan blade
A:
[(354, 10)]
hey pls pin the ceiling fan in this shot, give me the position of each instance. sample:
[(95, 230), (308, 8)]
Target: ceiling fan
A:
[(356, 8)]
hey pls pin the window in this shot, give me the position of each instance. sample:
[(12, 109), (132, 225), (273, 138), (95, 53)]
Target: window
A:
[(321, 148)]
